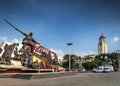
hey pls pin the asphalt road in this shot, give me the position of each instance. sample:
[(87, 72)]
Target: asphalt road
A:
[(81, 79)]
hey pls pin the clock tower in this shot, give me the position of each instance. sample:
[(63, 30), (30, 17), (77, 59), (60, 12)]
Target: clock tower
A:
[(102, 45)]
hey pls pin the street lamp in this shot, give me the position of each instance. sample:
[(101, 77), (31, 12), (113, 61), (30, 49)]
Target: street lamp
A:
[(69, 44)]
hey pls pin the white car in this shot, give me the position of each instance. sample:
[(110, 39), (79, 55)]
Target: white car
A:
[(106, 68)]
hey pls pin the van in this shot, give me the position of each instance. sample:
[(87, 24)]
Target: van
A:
[(106, 68)]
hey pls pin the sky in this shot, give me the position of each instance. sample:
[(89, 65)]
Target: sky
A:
[(55, 23)]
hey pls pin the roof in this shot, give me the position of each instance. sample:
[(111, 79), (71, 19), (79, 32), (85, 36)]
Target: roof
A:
[(102, 36)]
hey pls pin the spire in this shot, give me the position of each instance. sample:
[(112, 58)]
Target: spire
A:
[(102, 36)]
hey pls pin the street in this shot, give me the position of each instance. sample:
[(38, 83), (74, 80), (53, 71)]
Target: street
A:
[(81, 79)]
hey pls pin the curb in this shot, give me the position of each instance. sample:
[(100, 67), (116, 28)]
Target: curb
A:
[(36, 75)]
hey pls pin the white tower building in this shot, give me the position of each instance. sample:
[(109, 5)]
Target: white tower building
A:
[(102, 45)]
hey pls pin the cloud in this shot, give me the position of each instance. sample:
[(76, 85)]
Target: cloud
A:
[(16, 40), (3, 38), (59, 52), (115, 39)]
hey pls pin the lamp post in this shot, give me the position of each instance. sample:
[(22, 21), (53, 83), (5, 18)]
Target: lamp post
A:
[(69, 44), (118, 52)]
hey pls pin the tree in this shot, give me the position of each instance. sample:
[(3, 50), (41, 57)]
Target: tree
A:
[(114, 60), (98, 61), (74, 61), (90, 65), (66, 61), (94, 64)]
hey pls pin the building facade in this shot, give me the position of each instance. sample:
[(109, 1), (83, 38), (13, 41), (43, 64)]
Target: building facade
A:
[(88, 58), (102, 45)]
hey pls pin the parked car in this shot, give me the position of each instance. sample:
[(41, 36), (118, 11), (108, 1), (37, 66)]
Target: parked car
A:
[(81, 70), (74, 69), (106, 68)]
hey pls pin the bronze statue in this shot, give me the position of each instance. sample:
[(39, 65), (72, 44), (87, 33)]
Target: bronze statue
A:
[(28, 37)]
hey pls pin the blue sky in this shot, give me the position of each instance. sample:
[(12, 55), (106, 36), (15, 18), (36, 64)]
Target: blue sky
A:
[(54, 23)]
